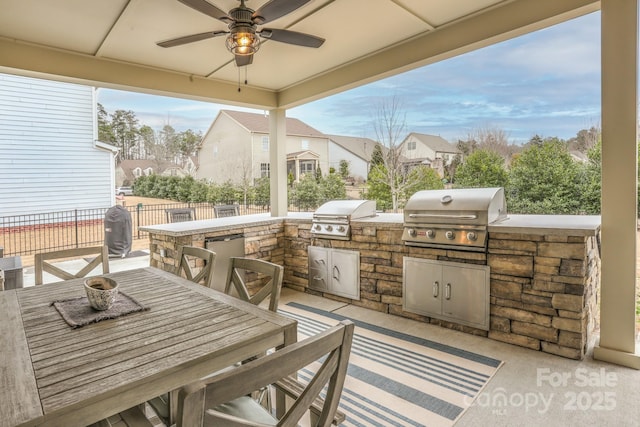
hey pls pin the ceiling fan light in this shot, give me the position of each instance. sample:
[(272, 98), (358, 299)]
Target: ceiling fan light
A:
[(243, 43)]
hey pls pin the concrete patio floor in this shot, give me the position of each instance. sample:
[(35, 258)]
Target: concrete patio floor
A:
[(530, 389)]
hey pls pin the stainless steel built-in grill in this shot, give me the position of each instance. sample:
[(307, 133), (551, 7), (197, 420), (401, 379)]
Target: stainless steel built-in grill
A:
[(332, 219), (453, 218)]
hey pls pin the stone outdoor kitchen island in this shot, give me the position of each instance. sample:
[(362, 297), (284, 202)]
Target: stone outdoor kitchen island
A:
[(543, 283)]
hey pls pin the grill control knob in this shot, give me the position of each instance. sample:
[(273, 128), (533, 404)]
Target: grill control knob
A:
[(412, 232), (472, 236), (431, 234), (318, 227), (329, 228), (341, 228), (450, 235)]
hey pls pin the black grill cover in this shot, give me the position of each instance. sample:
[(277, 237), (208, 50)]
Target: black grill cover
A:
[(117, 231)]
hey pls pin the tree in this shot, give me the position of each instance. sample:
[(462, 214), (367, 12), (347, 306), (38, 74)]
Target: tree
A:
[(344, 169), (482, 168), (188, 143), (544, 180), (391, 173), (377, 189), (377, 158), (332, 187), (585, 140), (262, 191), (105, 133), (422, 178), (491, 139), (124, 127), (307, 192), (591, 181)]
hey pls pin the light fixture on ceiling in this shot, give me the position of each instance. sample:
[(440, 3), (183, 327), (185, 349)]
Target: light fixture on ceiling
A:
[(243, 40)]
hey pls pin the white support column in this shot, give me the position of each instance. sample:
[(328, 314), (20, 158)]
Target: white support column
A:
[(619, 182), (278, 161)]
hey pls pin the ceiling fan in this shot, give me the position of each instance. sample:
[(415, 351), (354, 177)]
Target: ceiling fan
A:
[(243, 37)]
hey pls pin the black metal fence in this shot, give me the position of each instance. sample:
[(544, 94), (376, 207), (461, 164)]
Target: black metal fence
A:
[(30, 234)]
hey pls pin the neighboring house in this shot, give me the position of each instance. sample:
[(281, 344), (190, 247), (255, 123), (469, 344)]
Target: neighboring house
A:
[(356, 151), (429, 150), (128, 171), (50, 159), (236, 148), (190, 166)]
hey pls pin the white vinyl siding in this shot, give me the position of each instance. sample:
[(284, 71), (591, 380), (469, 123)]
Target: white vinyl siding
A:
[(48, 160)]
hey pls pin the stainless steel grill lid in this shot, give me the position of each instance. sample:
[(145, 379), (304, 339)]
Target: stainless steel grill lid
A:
[(353, 209), (331, 220), (453, 217)]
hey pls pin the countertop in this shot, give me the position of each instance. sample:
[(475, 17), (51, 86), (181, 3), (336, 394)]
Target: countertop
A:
[(583, 225)]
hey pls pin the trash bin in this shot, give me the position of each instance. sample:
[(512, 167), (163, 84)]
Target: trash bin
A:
[(225, 247), (117, 231)]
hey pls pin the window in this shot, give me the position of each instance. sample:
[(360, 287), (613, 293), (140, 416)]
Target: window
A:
[(307, 167), (137, 172), (411, 145), (264, 170), (265, 143), (305, 144)]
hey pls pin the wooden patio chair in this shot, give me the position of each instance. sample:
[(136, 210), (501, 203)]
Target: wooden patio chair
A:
[(239, 269), (196, 264), (44, 262), (132, 417), (224, 399), (180, 214), (224, 211), (242, 270)]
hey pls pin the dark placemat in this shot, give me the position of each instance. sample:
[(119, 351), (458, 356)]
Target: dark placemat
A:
[(77, 312)]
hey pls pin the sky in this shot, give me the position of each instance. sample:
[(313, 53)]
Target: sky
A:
[(546, 83)]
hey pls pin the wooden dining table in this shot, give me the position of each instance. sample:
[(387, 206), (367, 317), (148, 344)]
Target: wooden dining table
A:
[(54, 375)]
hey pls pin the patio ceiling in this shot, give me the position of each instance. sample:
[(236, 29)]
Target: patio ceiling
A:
[(113, 43)]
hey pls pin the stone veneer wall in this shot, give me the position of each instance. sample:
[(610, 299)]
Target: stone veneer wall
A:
[(261, 241), (544, 289)]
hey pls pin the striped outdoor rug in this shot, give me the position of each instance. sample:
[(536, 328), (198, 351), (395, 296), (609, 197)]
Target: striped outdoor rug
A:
[(395, 379)]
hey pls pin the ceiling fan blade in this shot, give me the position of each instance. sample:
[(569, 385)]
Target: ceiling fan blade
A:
[(207, 8), (190, 39), (242, 60), (274, 9), (291, 37)]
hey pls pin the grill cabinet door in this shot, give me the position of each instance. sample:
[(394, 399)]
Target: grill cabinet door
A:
[(422, 286), (451, 291), (345, 273), (464, 295), (318, 268)]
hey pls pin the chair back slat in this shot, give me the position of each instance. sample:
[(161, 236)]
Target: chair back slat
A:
[(237, 277), (196, 264), (331, 348), (44, 262), (180, 214)]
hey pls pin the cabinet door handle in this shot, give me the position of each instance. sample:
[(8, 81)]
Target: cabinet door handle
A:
[(447, 291), (436, 289), (336, 272)]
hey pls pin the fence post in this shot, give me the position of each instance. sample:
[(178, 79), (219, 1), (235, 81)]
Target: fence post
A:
[(76, 223), (138, 217)]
